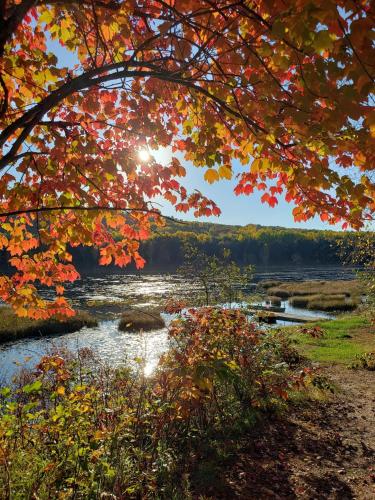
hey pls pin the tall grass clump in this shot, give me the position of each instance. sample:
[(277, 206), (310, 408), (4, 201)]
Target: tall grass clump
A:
[(141, 319), (337, 302), (349, 288), (76, 428), (12, 327), (331, 305), (274, 301)]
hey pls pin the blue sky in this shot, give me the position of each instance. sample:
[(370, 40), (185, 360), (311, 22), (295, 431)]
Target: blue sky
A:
[(239, 210)]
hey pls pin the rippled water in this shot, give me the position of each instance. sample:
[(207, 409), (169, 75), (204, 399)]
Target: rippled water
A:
[(109, 295), (111, 345)]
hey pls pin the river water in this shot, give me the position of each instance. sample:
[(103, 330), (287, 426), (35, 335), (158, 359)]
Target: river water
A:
[(108, 295)]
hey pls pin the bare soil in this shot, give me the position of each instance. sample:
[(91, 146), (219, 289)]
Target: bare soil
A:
[(321, 450)]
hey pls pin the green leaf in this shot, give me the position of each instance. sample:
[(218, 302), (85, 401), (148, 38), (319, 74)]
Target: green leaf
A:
[(34, 387), (5, 391)]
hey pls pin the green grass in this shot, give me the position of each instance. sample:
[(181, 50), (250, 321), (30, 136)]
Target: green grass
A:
[(343, 340), (12, 327)]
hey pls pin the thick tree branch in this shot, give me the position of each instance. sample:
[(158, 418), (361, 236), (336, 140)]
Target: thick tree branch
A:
[(95, 77), (39, 210)]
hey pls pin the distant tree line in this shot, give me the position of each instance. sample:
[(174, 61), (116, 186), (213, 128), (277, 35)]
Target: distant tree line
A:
[(249, 245)]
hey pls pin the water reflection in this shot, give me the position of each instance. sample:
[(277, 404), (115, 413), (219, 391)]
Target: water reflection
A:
[(106, 340)]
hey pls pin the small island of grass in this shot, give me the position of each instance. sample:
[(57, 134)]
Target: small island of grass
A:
[(141, 319)]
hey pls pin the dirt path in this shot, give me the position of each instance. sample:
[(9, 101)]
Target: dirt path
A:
[(320, 451), (339, 451)]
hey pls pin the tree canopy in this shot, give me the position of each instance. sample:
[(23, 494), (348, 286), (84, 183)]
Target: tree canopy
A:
[(285, 88)]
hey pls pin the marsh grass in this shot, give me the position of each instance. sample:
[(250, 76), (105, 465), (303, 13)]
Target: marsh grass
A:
[(12, 327), (141, 319), (332, 304), (274, 301), (339, 295), (349, 288), (329, 303), (269, 284), (302, 300)]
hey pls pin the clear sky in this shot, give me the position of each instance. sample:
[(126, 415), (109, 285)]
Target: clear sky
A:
[(239, 210)]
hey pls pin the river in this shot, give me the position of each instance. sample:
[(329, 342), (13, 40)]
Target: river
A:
[(107, 295)]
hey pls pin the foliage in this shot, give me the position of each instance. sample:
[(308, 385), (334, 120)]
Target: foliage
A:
[(220, 279), (74, 428), (366, 361), (250, 244), (282, 89)]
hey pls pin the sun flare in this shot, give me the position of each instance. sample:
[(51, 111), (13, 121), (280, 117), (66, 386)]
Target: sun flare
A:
[(144, 155)]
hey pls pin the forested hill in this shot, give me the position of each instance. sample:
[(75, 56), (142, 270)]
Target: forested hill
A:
[(251, 244)]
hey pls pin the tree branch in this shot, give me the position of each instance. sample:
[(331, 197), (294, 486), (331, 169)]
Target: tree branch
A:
[(89, 209)]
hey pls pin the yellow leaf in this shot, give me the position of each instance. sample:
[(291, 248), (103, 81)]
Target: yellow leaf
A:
[(19, 72), (225, 171), (211, 175), (46, 16)]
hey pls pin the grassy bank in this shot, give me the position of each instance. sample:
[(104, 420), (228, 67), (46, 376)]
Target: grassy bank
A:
[(341, 342), (13, 327)]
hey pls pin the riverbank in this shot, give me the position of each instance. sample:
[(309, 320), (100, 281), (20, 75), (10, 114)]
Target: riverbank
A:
[(12, 327), (320, 449), (99, 431), (337, 342)]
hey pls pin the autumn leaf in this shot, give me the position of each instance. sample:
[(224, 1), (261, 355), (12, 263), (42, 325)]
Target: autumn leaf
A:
[(211, 175)]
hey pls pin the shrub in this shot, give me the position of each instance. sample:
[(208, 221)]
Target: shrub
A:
[(142, 319), (79, 429), (366, 361)]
